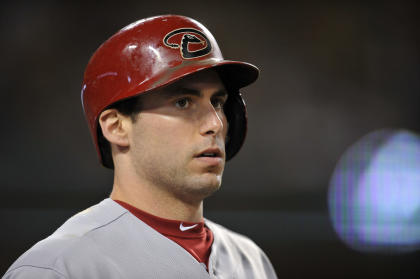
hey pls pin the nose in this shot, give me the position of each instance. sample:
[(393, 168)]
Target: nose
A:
[(212, 121)]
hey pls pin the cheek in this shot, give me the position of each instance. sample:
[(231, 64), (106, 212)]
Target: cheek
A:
[(160, 133)]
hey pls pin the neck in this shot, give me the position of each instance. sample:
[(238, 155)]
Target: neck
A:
[(143, 195)]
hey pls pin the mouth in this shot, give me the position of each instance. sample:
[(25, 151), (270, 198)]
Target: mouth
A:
[(211, 157), (210, 153)]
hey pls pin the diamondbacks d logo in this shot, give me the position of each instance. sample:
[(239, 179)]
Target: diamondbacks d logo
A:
[(191, 39)]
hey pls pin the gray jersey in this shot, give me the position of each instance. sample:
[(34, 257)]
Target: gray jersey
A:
[(107, 241)]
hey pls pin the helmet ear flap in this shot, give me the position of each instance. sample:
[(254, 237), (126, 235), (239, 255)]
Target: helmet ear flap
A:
[(235, 111)]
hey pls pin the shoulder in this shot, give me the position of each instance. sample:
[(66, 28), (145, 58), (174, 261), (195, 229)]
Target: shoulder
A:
[(28, 271), (228, 237), (231, 249), (77, 240)]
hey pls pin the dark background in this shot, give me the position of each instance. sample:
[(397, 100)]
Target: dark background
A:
[(331, 72)]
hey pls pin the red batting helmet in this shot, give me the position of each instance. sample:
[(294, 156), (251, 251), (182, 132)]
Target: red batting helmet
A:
[(152, 53)]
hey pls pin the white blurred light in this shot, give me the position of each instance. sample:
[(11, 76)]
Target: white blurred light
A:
[(374, 195)]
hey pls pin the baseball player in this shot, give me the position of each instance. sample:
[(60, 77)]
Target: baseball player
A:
[(165, 113)]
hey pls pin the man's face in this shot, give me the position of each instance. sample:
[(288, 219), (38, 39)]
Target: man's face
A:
[(177, 141)]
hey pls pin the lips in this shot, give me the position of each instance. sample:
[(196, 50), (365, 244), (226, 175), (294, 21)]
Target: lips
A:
[(210, 153)]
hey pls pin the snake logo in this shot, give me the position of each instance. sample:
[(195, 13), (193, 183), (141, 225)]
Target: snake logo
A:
[(189, 37)]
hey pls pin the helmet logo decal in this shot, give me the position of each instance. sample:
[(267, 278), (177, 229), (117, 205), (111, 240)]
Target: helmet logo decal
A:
[(188, 40)]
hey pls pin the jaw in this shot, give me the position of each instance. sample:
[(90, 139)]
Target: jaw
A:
[(199, 186)]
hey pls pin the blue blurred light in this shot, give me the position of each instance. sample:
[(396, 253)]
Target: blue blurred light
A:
[(374, 194)]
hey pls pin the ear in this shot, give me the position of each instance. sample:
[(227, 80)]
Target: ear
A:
[(114, 127)]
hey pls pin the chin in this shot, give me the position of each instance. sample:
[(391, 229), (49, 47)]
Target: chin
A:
[(202, 187), (210, 180)]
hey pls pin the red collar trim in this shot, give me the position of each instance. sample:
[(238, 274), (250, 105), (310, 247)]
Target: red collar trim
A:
[(167, 227)]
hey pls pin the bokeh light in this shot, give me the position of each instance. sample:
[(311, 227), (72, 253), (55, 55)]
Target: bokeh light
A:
[(374, 194)]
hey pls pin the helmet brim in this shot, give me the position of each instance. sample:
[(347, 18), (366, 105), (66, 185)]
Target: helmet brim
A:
[(235, 75)]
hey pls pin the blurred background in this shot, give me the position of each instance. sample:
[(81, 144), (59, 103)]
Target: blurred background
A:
[(327, 182)]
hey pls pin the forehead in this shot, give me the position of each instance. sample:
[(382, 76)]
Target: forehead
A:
[(204, 83)]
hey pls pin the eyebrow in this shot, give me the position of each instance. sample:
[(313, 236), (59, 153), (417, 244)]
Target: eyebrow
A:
[(179, 91)]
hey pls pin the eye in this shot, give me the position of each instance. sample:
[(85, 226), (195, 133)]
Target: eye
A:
[(183, 103), (218, 103)]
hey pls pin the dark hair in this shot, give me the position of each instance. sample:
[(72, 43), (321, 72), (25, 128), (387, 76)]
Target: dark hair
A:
[(129, 107)]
